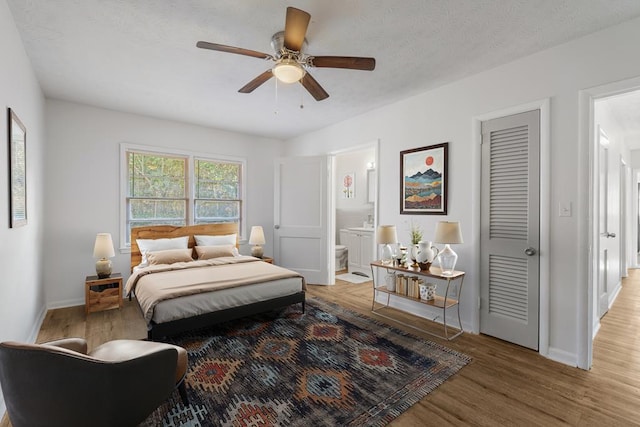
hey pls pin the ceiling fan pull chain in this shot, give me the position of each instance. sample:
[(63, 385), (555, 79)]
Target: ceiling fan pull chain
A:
[(276, 106), (301, 97)]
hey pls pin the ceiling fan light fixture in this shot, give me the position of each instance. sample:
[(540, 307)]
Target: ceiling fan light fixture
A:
[(288, 71)]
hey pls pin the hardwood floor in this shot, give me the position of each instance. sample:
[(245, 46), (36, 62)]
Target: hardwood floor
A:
[(503, 385)]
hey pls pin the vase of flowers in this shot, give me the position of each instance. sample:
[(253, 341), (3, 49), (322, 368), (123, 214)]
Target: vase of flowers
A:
[(415, 232)]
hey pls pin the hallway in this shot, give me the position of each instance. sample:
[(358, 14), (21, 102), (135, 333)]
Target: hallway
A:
[(616, 349)]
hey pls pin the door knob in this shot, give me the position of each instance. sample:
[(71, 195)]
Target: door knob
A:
[(530, 252), (611, 234), (277, 227)]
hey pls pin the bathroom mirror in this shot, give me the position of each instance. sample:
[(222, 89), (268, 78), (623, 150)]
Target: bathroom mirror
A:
[(371, 185)]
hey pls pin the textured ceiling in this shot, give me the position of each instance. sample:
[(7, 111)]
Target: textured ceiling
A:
[(139, 55)]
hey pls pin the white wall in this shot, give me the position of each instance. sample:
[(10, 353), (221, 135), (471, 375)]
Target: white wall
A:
[(21, 291), (446, 114), (635, 159), (83, 181)]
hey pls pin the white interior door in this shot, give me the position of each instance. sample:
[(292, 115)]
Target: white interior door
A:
[(510, 229), (607, 240), (301, 217)]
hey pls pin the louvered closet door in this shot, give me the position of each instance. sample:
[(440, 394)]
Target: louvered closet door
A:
[(510, 228)]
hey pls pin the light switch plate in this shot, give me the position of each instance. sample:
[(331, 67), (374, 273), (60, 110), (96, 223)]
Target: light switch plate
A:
[(564, 209)]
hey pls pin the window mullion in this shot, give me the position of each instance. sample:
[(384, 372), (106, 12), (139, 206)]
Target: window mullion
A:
[(190, 187)]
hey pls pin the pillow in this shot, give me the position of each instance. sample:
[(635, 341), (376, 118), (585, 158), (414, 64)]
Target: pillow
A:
[(228, 239), (170, 256), (208, 252), (154, 245)]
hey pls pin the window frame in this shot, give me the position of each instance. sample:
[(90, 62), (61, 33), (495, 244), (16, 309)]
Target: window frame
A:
[(195, 199), (190, 157)]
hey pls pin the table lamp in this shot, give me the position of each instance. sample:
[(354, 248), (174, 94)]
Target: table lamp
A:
[(386, 236), (103, 250), (257, 240), (448, 232)]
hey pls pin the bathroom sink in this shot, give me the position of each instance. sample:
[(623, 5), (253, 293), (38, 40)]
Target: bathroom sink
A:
[(360, 228)]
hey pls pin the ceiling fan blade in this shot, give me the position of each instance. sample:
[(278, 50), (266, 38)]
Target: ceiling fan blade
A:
[(313, 87), (255, 83), (295, 28), (231, 49), (350, 62)]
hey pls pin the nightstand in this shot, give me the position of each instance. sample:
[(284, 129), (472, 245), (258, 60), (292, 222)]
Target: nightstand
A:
[(103, 294), (267, 259)]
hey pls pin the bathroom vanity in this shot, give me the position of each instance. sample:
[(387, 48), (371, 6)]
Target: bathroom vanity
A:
[(360, 249)]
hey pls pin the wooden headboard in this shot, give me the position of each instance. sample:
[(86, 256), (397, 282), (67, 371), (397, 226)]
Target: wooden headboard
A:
[(171, 231)]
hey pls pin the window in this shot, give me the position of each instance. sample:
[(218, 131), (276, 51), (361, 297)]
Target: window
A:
[(217, 192), (157, 190), (178, 188)]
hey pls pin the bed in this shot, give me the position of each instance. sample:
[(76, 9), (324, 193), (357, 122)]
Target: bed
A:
[(177, 294)]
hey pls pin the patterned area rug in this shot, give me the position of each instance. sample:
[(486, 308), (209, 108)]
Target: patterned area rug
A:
[(327, 367)]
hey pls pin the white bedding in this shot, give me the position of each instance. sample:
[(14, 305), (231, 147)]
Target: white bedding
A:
[(193, 305), (167, 292)]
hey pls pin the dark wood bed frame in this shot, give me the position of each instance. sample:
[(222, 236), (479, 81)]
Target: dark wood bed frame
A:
[(159, 330)]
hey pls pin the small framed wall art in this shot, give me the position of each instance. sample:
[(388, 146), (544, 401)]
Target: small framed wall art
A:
[(349, 185), (17, 137), (423, 180)]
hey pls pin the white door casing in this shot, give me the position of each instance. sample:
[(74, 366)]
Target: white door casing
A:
[(301, 217), (510, 228), (624, 240), (603, 220)]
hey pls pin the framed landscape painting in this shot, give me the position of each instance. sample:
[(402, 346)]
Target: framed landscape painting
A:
[(423, 180), (17, 136)]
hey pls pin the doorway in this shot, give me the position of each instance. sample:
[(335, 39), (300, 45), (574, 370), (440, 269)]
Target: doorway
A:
[(510, 228), (611, 126), (543, 250), (354, 198)]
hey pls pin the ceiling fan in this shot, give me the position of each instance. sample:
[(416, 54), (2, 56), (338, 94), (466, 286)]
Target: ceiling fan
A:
[(291, 62)]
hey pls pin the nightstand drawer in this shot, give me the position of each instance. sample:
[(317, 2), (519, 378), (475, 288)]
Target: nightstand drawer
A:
[(103, 294)]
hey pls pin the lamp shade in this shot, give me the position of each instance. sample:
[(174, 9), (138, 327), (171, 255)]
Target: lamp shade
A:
[(386, 234), (103, 247), (257, 236), (448, 232)]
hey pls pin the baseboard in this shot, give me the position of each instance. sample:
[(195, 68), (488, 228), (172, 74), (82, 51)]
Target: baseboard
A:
[(563, 357), (33, 334), (613, 295), (596, 328), (65, 303)]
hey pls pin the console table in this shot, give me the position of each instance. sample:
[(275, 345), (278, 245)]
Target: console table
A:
[(443, 302)]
